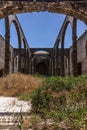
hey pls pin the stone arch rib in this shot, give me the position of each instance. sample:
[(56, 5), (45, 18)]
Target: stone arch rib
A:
[(77, 9), (60, 38), (21, 37)]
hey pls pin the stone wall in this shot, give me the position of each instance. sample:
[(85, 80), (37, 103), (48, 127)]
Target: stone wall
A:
[(11, 59), (81, 56), (2, 54), (81, 53)]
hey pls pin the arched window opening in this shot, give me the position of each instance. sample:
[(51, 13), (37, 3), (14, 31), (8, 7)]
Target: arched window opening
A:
[(13, 48), (81, 28), (41, 63), (23, 57), (68, 37), (22, 45), (13, 36), (41, 68), (59, 45), (67, 48), (40, 52), (2, 44), (2, 28)]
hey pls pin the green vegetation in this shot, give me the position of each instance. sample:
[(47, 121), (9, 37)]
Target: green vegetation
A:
[(63, 100)]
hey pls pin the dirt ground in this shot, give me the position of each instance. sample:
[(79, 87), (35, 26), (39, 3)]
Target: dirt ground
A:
[(9, 128)]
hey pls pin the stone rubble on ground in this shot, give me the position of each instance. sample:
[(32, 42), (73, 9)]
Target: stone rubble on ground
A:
[(11, 109), (12, 104)]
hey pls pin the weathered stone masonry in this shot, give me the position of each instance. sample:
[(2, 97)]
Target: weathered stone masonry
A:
[(25, 61), (81, 55), (77, 9)]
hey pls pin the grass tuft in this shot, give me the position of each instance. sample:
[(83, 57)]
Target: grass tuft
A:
[(18, 84)]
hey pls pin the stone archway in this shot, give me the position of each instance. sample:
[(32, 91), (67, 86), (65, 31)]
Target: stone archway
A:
[(7, 42), (60, 38), (21, 39), (72, 8), (41, 63), (41, 68), (75, 8)]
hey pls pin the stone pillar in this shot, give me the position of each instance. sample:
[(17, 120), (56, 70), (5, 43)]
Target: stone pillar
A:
[(32, 67), (53, 63), (12, 64), (25, 60), (62, 59), (25, 57), (74, 52), (7, 46), (68, 63), (27, 63), (50, 66), (19, 56), (56, 61)]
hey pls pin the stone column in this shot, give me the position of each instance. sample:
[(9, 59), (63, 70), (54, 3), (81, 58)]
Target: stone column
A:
[(50, 65), (56, 61), (74, 52), (7, 46), (25, 60), (62, 59), (53, 63), (19, 56), (32, 67), (25, 57), (12, 64), (68, 64), (27, 63)]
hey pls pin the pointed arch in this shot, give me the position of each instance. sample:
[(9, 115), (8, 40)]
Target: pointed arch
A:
[(72, 21), (21, 38)]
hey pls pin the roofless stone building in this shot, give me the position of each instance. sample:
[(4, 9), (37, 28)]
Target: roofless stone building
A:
[(55, 61)]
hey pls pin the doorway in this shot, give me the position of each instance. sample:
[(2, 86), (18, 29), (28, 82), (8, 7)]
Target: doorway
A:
[(79, 68), (41, 68)]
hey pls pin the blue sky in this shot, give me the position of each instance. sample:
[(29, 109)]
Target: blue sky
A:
[(41, 29)]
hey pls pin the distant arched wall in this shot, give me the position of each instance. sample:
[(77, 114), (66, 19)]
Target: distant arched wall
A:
[(38, 59)]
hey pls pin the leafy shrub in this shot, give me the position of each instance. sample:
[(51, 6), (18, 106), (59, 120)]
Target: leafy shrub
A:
[(40, 99), (62, 99), (37, 74)]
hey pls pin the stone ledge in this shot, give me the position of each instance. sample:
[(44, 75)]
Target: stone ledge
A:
[(11, 110)]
